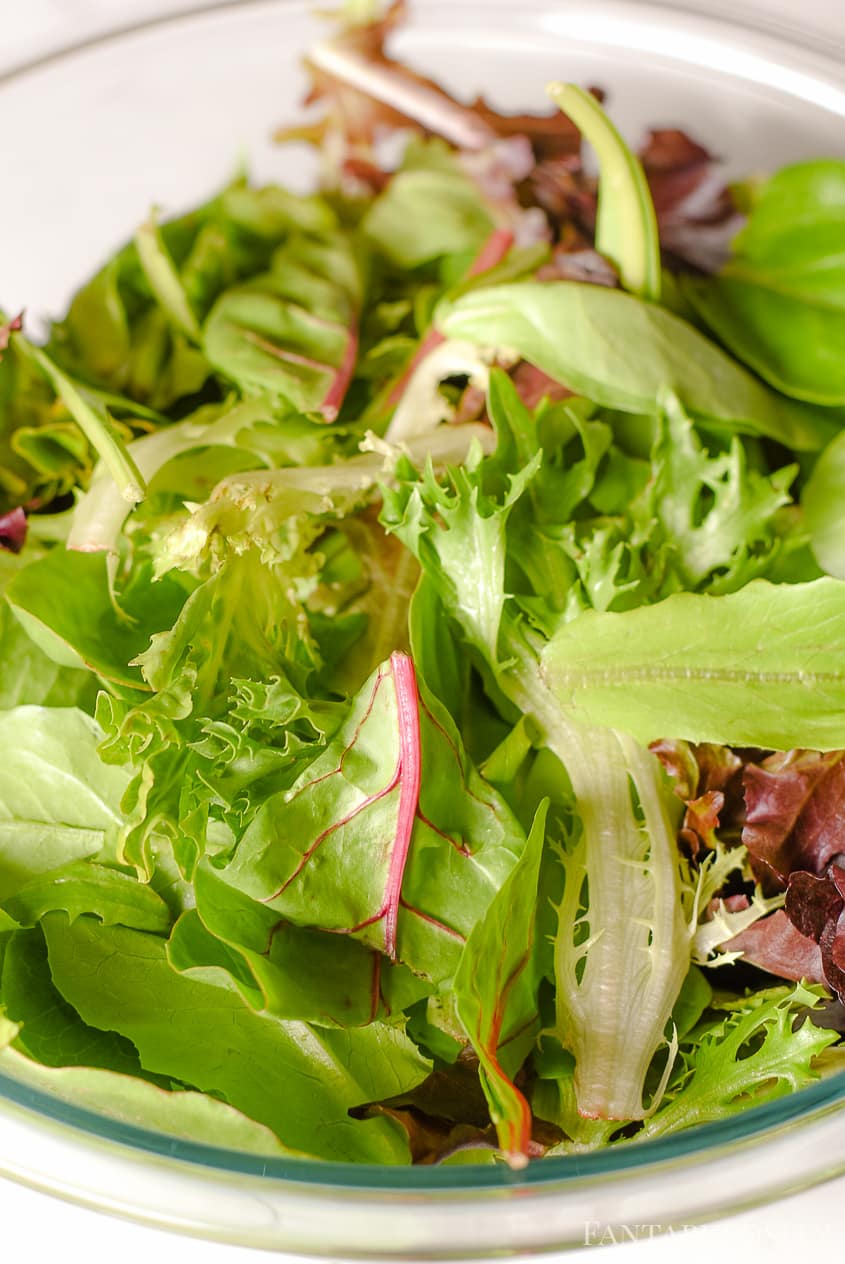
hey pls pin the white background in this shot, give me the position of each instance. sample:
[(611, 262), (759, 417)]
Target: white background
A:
[(800, 1227)]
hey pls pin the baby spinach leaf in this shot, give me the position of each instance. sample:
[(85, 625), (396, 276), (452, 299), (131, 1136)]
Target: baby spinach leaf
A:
[(623, 353), (767, 319), (795, 202), (50, 1029), (120, 980), (779, 302), (189, 1115)]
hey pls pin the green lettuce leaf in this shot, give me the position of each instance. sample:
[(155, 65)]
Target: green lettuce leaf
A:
[(424, 214), (759, 667), (27, 675), (93, 420), (80, 887), (285, 970), (58, 801), (64, 602), (163, 279), (124, 331), (291, 334)]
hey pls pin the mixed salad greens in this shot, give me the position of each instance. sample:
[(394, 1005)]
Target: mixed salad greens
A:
[(423, 625)]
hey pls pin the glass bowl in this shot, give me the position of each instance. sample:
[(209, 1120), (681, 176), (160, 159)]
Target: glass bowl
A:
[(166, 112)]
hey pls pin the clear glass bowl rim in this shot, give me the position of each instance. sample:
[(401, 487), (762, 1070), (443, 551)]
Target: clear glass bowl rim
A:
[(750, 1126)]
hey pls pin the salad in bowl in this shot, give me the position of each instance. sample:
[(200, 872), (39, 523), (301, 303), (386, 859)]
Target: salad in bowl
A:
[(424, 642)]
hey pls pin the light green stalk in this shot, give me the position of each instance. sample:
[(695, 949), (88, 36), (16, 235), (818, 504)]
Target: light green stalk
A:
[(623, 943)]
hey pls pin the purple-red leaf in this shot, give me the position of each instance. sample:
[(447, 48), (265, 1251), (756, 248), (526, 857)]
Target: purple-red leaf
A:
[(13, 531), (13, 326), (705, 777), (696, 214), (773, 944), (364, 92), (832, 946), (676, 166), (806, 938), (811, 903), (795, 811)]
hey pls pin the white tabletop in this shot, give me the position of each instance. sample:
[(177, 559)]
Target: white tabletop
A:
[(803, 1226)]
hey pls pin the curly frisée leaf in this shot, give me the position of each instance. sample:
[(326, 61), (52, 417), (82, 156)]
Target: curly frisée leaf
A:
[(621, 930), (628, 851), (760, 1050), (257, 510), (99, 516)]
